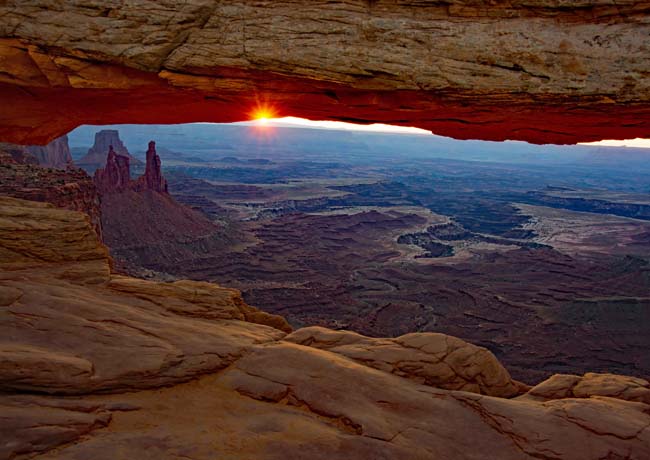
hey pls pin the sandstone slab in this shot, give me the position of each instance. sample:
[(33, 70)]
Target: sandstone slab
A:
[(436, 360)]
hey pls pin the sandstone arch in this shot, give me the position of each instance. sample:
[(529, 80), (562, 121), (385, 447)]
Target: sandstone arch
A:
[(536, 70)]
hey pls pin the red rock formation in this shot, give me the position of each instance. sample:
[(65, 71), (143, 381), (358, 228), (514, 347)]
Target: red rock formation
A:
[(97, 154), (116, 175), (143, 225), (152, 178), (56, 154)]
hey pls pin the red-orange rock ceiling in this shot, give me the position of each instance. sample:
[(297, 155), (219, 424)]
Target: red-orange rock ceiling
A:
[(538, 70)]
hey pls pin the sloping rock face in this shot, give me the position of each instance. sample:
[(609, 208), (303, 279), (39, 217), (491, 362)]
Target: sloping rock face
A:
[(56, 154), (150, 229), (70, 189), (95, 365), (105, 141), (539, 70)]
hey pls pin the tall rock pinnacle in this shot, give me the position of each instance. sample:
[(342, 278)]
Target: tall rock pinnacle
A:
[(116, 175), (152, 175)]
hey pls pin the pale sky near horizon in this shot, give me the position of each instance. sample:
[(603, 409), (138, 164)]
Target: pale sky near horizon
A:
[(378, 127)]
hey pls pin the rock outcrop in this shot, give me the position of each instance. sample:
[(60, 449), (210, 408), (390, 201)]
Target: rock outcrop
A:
[(105, 140), (96, 365), (540, 70), (70, 189), (436, 360), (591, 384), (56, 279)]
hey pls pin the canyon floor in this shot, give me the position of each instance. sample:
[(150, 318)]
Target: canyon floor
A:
[(542, 257)]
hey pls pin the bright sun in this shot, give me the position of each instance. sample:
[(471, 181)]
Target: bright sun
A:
[(262, 115)]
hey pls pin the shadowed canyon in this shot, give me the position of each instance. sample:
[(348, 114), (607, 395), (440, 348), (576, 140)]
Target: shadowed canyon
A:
[(279, 289)]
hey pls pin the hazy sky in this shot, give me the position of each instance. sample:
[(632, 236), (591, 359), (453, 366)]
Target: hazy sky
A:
[(378, 127), (638, 142)]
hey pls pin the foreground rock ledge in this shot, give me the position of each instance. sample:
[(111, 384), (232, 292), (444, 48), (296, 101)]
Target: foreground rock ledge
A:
[(544, 71), (95, 365)]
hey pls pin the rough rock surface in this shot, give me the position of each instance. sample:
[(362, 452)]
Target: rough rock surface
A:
[(32, 424), (591, 384), (97, 155), (537, 70), (55, 280), (406, 420), (436, 360), (70, 188), (16, 154), (129, 368)]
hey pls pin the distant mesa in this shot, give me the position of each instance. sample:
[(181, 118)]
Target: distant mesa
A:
[(256, 161), (231, 160), (98, 154), (115, 176)]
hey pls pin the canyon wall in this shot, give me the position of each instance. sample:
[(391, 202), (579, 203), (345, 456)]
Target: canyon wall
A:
[(56, 154), (538, 70)]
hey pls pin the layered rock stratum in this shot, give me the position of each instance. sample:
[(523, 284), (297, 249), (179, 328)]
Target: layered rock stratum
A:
[(538, 70), (97, 365)]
